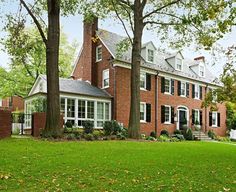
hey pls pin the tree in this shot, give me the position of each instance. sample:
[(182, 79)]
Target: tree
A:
[(50, 35), (28, 60), (177, 20)]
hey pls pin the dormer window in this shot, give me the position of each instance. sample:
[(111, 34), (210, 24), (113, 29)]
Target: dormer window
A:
[(201, 71), (99, 53), (150, 55), (179, 64)]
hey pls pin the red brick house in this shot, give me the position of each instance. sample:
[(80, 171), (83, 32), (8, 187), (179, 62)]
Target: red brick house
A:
[(13, 103), (172, 87)]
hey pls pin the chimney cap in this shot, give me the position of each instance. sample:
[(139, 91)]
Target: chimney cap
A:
[(200, 58)]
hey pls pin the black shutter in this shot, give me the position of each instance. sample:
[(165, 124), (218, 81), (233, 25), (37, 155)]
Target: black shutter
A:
[(172, 86), (148, 82), (179, 88), (200, 88), (193, 116), (172, 115), (163, 84), (187, 89), (210, 118), (193, 91), (218, 119), (162, 114), (200, 117), (148, 112)]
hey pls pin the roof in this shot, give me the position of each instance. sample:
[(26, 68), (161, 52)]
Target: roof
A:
[(111, 40), (79, 87)]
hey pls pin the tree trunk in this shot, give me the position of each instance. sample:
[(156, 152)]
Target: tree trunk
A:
[(52, 128), (134, 119)]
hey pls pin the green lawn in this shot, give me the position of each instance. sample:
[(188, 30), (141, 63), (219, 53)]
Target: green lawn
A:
[(34, 165)]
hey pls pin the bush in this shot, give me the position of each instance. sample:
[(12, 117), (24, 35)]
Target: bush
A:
[(188, 134), (89, 137), (174, 139), (153, 134), (88, 127), (120, 136), (211, 134), (150, 138), (163, 138), (164, 132), (71, 136), (223, 139), (180, 137), (177, 132), (68, 124), (143, 136), (111, 128), (97, 134)]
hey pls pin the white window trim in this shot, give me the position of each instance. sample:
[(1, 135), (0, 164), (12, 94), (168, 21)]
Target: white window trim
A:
[(184, 82), (198, 86), (145, 112), (168, 93), (176, 64), (0, 102), (145, 81), (98, 47), (168, 122), (103, 72), (148, 55), (215, 112), (204, 70), (198, 115)]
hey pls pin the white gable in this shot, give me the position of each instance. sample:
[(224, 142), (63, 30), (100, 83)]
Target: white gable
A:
[(144, 51), (40, 86)]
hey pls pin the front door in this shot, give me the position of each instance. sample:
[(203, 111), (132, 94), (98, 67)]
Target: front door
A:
[(182, 119)]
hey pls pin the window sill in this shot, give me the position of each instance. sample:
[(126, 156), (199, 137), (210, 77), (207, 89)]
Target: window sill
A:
[(143, 89), (105, 87), (214, 126), (183, 96), (167, 93), (98, 60), (167, 123), (196, 98), (142, 121)]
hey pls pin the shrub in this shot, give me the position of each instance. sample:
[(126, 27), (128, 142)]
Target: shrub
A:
[(163, 138), (223, 139), (120, 136), (68, 124), (111, 127), (97, 134), (211, 134), (174, 139), (164, 132), (180, 137), (150, 138), (89, 137), (88, 127), (143, 136), (70, 136), (188, 134), (153, 134), (177, 132)]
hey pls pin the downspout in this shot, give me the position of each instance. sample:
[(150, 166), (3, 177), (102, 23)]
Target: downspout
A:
[(114, 89), (156, 102), (206, 110)]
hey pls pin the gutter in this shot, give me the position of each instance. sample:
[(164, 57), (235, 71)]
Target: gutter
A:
[(156, 102)]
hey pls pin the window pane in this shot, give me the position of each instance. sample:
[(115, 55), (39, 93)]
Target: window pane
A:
[(167, 85), (62, 105), (107, 111), (99, 123), (196, 91), (183, 88), (150, 55), (214, 117), (142, 80), (167, 114), (196, 116), (90, 109), (81, 109), (99, 53), (179, 64), (142, 113), (70, 108), (100, 110), (105, 78)]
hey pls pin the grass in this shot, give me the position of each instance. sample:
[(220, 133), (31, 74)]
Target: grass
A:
[(34, 165)]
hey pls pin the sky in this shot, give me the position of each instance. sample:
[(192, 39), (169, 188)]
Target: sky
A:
[(73, 28)]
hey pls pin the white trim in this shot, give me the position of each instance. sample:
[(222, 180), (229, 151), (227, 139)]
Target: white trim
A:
[(145, 80), (98, 47), (196, 86), (147, 56), (104, 71), (185, 92), (168, 93), (176, 64), (106, 46), (216, 122), (198, 115)]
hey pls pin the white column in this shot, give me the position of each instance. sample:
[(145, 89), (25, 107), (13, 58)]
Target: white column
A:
[(76, 112)]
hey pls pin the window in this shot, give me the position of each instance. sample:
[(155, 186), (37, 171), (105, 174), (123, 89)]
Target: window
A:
[(90, 109), (143, 80), (85, 111), (167, 85), (99, 53), (183, 89), (41, 86), (179, 64), (197, 92), (105, 78), (63, 105), (201, 71), (196, 116), (142, 112), (150, 55), (167, 114), (214, 119), (103, 113), (70, 108)]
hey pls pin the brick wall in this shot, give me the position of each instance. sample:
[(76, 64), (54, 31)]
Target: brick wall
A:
[(39, 122), (17, 103), (5, 123)]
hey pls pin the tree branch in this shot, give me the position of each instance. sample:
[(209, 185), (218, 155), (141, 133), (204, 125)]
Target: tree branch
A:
[(161, 23), (160, 8), (35, 21)]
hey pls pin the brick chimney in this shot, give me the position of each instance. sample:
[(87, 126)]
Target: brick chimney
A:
[(200, 58), (84, 68)]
